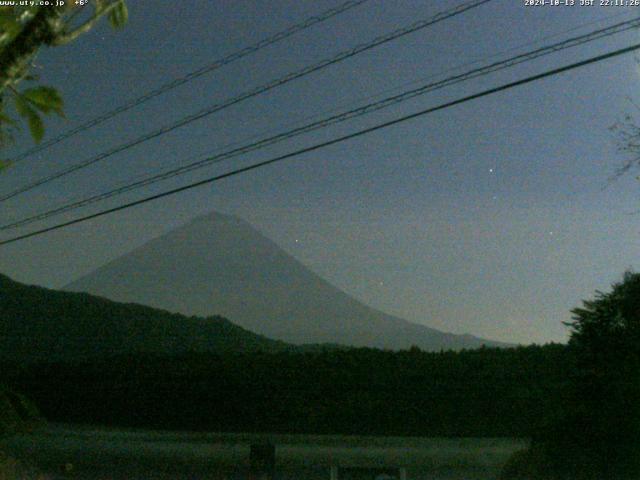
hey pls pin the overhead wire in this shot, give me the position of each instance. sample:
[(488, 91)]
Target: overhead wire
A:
[(333, 141), (216, 64), (344, 55), (334, 119)]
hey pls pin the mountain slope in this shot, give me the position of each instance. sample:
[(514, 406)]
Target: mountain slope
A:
[(218, 264), (41, 324)]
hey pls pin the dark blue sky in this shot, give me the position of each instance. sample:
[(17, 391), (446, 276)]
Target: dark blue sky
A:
[(490, 218)]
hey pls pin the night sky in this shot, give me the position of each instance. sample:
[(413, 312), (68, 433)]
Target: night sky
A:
[(493, 218)]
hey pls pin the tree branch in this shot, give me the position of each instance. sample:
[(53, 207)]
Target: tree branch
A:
[(100, 12), (15, 56)]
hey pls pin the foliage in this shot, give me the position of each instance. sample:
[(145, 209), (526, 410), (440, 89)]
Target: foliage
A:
[(598, 434), (149, 368), (488, 393), (9, 468), (627, 132), (38, 323), (607, 330), (479, 393), (12, 469), (32, 102), (605, 340), (17, 413), (26, 29)]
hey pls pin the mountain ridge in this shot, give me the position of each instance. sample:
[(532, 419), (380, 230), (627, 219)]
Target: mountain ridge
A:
[(219, 264), (40, 324)]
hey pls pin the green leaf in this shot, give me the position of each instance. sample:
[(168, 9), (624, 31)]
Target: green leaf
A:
[(7, 119), (10, 24), (9, 16), (4, 164), (45, 99), (9, 28), (119, 15), (22, 107), (36, 127)]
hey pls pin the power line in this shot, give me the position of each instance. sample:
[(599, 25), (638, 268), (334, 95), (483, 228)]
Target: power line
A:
[(334, 119), (252, 93), (221, 62), (334, 141)]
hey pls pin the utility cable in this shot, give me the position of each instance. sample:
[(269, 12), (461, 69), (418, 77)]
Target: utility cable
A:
[(252, 93), (334, 141), (334, 119), (221, 62)]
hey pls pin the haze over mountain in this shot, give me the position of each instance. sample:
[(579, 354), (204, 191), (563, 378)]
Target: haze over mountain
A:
[(219, 265)]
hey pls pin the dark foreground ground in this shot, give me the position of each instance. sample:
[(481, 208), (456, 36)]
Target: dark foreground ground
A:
[(83, 453)]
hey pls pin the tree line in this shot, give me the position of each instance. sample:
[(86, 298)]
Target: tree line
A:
[(479, 393)]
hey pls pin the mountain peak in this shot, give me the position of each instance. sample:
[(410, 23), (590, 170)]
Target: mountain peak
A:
[(214, 217), (218, 264)]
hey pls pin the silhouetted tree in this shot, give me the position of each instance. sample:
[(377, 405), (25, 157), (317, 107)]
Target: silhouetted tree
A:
[(598, 436), (24, 30), (605, 340)]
